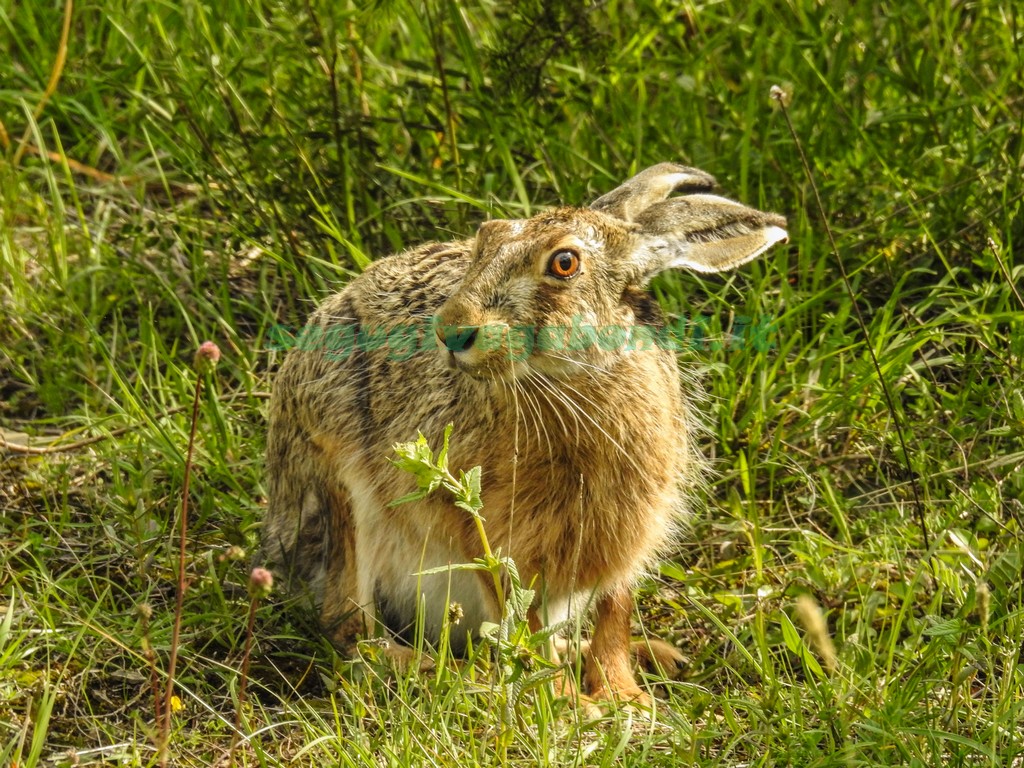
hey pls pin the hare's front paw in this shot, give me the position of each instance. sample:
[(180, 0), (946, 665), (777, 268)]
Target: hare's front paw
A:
[(401, 657), (627, 693)]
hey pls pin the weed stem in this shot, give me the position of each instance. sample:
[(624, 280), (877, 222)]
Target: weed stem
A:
[(781, 97)]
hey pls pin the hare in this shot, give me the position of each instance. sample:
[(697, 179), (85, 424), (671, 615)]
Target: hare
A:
[(527, 338)]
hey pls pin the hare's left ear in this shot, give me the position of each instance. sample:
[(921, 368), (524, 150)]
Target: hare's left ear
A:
[(705, 233), (650, 186)]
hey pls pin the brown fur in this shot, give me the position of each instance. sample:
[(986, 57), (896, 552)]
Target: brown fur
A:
[(587, 454)]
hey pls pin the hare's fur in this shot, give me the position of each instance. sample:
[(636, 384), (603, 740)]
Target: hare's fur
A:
[(587, 450)]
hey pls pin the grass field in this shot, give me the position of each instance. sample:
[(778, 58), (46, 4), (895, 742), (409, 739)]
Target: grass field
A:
[(187, 171)]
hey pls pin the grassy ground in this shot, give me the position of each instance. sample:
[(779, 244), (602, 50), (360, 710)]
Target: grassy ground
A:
[(207, 170)]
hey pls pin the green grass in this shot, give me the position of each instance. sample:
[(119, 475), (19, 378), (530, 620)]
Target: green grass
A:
[(254, 155)]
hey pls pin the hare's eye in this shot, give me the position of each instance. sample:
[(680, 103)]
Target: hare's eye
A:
[(564, 264)]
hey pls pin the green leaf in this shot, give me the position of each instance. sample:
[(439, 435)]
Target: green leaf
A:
[(417, 459), (468, 495), (546, 632), (442, 456), (414, 496), (947, 628)]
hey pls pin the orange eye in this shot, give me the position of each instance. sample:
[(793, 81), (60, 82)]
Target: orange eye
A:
[(564, 264)]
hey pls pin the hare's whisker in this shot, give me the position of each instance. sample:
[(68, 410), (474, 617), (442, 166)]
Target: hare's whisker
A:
[(535, 396), (584, 366), (524, 418), (539, 383), (538, 413), (572, 406), (511, 391), (570, 402)]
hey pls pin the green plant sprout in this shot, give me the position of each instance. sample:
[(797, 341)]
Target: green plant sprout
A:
[(521, 664)]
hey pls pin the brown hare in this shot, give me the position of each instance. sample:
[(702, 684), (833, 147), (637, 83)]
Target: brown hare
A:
[(525, 337)]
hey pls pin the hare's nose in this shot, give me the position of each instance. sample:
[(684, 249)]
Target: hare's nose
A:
[(457, 338)]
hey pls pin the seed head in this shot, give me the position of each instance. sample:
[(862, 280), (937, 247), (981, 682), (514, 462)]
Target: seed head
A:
[(817, 630), (781, 95), (984, 605)]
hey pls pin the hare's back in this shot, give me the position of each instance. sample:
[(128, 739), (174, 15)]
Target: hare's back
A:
[(366, 362), (406, 287)]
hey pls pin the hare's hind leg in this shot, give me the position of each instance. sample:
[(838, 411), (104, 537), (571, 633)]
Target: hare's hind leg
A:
[(308, 533), (658, 656), (295, 528), (345, 613)]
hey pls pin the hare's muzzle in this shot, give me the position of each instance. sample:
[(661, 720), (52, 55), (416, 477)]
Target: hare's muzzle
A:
[(456, 338)]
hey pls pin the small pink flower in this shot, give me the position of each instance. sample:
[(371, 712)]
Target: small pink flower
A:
[(261, 582), (206, 357)]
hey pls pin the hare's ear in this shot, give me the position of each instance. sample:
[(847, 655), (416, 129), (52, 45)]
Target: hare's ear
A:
[(652, 186), (705, 233)]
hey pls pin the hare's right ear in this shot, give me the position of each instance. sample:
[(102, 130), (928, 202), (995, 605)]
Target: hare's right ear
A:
[(705, 233), (651, 186)]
